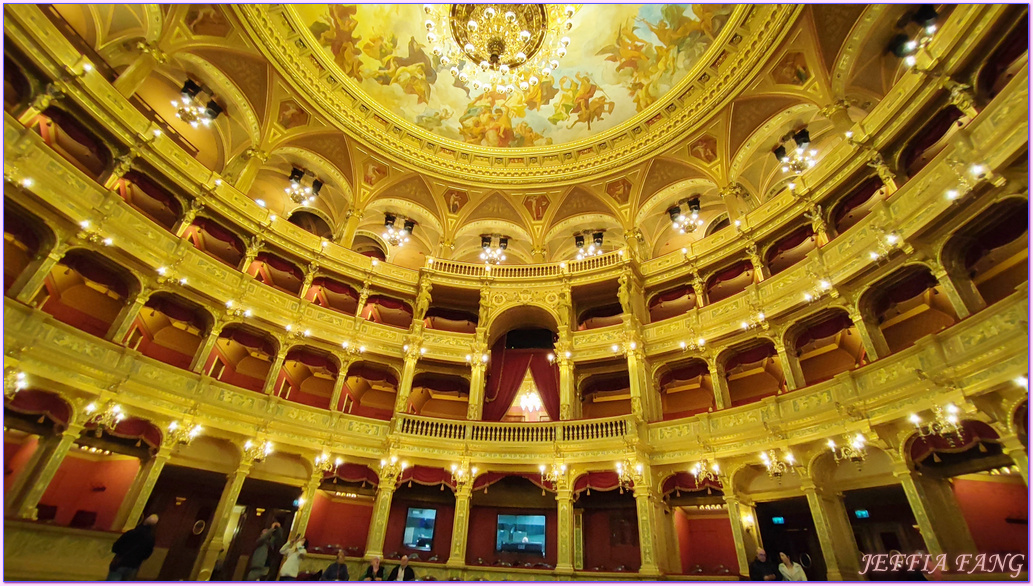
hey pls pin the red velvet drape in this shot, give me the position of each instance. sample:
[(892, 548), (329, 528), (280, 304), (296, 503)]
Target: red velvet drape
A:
[(507, 372), (547, 378)]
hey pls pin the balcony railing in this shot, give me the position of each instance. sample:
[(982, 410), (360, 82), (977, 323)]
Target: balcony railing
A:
[(465, 269), (524, 433)]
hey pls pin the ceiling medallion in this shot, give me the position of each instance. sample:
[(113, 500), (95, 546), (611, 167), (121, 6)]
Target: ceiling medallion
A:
[(499, 46)]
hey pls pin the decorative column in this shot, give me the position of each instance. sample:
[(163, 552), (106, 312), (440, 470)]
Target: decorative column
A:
[(960, 291), (644, 404), (936, 510), (872, 338), (350, 227), (30, 485), (835, 535), (120, 326), (722, 398), (28, 284), (412, 355), (214, 543), (205, 349), (699, 287), (310, 275), (342, 376), (381, 512), (132, 77), (253, 161), (564, 527), (760, 271), (460, 525), (55, 90), (475, 408), (308, 495), (251, 253), (274, 370), (129, 513), (836, 112), (743, 517), (1013, 448), (570, 408), (190, 212), (650, 538), (818, 225), (790, 366), (875, 161)]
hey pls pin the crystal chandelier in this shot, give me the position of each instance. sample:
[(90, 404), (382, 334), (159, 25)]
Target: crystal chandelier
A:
[(628, 471), (494, 254), (397, 236), (946, 424), (500, 47), (799, 159), (705, 471), (595, 248), (109, 418), (257, 451), (778, 466), (191, 109), (302, 194), (463, 473), (183, 434), (852, 449), (530, 402), (325, 464), (14, 381), (680, 222)]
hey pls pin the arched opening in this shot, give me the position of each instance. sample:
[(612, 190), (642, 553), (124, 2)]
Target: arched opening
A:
[(513, 522), (16, 87), (522, 382), (67, 136), (307, 377), (169, 329), (422, 510), (729, 281), (1004, 62), (150, 199), (827, 345), (671, 303), (311, 223), (242, 356), (600, 317), (931, 139), (790, 249), (609, 523), (606, 394), (272, 270), (386, 310), (333, 294), (451, 320), (686, 389), (753, 371), (369, 391), (706, 546), (86, 291), (213, 239), (908, 305), (22, 242), (994, 252), (342, 510), (440, 395), (850, 210), (370, 247)]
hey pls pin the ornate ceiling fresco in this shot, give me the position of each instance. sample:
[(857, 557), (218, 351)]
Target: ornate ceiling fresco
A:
[(622, 58)]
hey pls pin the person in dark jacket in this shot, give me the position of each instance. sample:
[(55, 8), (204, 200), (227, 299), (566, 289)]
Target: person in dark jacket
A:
[(131, 550), (337, 570), (762, 568), (268, 543), (407, 575), (375, 572)]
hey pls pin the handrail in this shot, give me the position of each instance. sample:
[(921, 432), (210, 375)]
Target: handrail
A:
[(530, 433)]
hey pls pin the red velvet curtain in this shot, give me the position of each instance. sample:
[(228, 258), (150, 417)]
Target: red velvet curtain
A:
[(547, 378), (136, 428), (79, 133), (354, 473), (605, 311), (426, 476), (932, 132), (972, 432), (685, 373), (670, 295), (176, 311), (453, 314), (823, 330), (790, 242), (606, 383), (153, 190), (486, 479), (1010, 50), (216, 231), (441, 383), (335, 287), (750, 356), (280, 265), (863, 193), (312, 359), (33, 402), (250, 340), (686, 482), (93, 270), (730, 273), (508, 368), (370, 373), (597, 480)]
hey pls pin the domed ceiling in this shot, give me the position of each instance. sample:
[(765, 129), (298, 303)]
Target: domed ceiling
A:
[(621, 59)]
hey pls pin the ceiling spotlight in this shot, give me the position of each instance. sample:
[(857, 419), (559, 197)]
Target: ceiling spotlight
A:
[(802, 139), (190, 108), (503, 242), (780, 153), (579, 241), (597, 238), (190, 88), (389, 221), (925, 16), (694, 205), (408, 225), (674, 212), (316, 186), (490, 254), (485, 241)]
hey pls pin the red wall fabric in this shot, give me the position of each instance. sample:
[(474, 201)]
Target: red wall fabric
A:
[(338, 524), (76, 486), (481, 536), (442, 543), (705, 542), (15, 457), (148, 347), (985, 506), (231, 376), (73, 317), (610, 544)]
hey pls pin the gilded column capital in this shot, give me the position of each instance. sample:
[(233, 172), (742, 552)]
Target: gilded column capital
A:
[(151, 49)]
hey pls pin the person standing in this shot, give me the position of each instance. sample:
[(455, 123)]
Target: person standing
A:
[(402, 572), (294, 550), (375, 572), (131, 549), (791, 571), (268, 542), (337, 570), (762, 568)]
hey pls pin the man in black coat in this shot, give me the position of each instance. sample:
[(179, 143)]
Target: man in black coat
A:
[(762, 568), (131, 550), (407, 575)]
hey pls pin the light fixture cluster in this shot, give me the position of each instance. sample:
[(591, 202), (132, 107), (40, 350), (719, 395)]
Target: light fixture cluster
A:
[(483, 358), (324, 464), (594, 248), (800, 158), (192, 109), (14, 381), (298, 192), (687, 220), (90, 234), (499, 47), (757, 320), (698, 344), (552, 473), (463, 473), (392, 466), (853, 449), (705, 471), (777, 465), (886, 245), (552, 357), (817, 291), (394, 235), (183, 434), (905, 46), (946, 423), (256, 451), (530, 402), (108, 418), (493, 248), (352, 349), (628, 471)]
